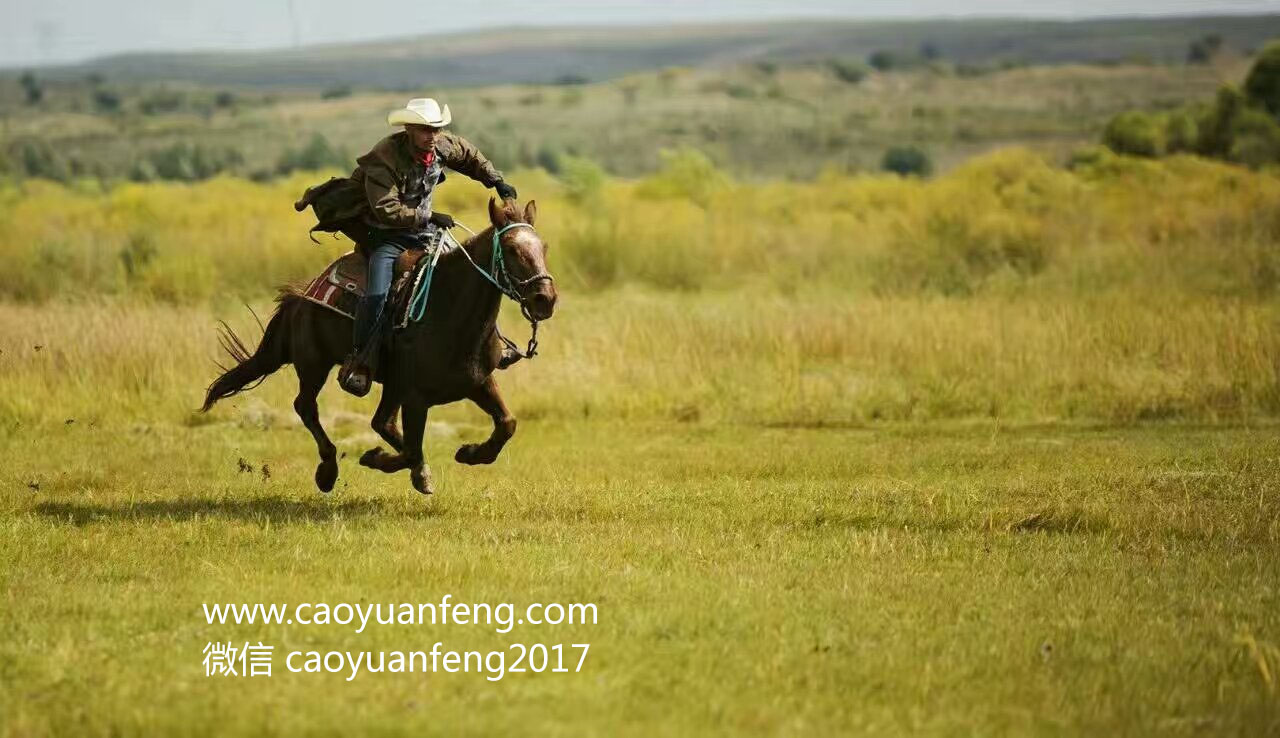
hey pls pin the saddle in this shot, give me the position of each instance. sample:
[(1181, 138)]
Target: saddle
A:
[(341, 285)]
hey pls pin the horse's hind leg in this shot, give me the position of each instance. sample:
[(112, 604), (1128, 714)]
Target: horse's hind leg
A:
[(487, 397), (310, 381)]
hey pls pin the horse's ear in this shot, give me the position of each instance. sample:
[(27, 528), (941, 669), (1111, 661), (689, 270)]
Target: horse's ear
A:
[(496, 215), (530, 212)]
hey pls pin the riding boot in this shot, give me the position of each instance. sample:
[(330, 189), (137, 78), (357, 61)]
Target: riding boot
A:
[(356, 376)]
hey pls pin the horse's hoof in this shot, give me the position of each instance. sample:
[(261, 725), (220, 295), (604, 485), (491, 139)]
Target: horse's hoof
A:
[(422, 480), (474, 453), (371, 457), (326, 475)]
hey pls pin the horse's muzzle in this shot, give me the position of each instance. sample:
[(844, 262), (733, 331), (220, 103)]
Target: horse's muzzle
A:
[(541, 303)]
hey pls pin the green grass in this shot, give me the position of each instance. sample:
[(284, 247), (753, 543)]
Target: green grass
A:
[(946, 579)]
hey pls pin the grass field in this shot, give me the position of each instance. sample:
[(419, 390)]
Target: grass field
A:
[(994, 452), (885, 521), (943, 579)]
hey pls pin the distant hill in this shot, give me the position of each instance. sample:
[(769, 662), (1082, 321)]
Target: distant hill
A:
[(544, 55)]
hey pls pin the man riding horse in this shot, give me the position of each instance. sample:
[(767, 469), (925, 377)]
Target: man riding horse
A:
[(447, 345), (385, 206)]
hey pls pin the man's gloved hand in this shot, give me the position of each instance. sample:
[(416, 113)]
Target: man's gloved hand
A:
[(443, 220), (504, 190)]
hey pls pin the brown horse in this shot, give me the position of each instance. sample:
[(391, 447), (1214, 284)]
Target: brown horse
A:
[(450, 355)]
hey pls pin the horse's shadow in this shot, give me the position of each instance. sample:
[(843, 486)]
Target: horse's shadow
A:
[(275, 510)]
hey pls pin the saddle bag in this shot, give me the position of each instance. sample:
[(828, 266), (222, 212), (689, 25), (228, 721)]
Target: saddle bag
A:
[(339, 206)]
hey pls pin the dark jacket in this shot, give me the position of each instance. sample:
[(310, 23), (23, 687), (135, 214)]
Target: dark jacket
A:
[(390, 184)]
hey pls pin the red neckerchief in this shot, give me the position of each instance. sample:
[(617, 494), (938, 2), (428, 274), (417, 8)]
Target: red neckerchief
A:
[(428, 157)]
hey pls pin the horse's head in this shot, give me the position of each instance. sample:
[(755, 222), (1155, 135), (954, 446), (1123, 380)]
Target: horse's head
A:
[(525, 255)]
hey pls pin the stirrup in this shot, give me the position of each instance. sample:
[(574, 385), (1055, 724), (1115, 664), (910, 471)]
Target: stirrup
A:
[(355, 376)]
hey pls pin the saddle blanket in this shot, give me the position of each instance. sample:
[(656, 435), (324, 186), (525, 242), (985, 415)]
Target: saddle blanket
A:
[(341, 285)]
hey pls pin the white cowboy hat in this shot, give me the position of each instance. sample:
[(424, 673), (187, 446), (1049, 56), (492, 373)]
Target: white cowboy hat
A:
[(422, 111)]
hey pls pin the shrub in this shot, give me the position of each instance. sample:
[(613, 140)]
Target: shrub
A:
[(884, 60), (106, 101), (159, 102), (1255, 139), (36, 158), (186, 162), (1202, 50), (1262, 86), (583, 179), (32, 88), (1135, 133), (334, 93), (318, 153), (849, 70), (1215, 127), (1181, 132), (548, 158), (907, 161), (685, 174)]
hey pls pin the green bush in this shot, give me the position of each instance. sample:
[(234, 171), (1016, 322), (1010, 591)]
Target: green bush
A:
[(1202, 50), (186, 162), (1262, 86), (160, 102), (36, 158), (685, 174), (32, 88), (1135, 133), (884, 60), (318, 153), (106, 101), (549, 158), (907, 161), (583, 179), (1181, 132), (1255, 139), (1216, 127), (849, 70)]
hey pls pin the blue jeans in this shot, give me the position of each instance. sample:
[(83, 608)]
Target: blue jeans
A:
[(382, 263)]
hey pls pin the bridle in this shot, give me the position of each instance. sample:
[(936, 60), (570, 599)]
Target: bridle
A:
[(509, 286)]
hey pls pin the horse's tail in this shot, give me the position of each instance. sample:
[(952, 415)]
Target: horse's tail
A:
[(251, 369)]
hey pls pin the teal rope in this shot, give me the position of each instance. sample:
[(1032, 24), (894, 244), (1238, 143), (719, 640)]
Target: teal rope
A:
[(500, 265), (418, 303)]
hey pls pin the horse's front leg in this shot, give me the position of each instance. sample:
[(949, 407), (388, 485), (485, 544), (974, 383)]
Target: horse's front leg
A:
[(414, 414), (384, 424), (487, 397)]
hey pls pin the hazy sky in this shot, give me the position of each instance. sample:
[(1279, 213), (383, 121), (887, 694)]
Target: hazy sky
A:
[(46, 31)]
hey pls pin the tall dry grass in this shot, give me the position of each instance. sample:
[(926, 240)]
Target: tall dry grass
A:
[(1118, 290), (729, 357)]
